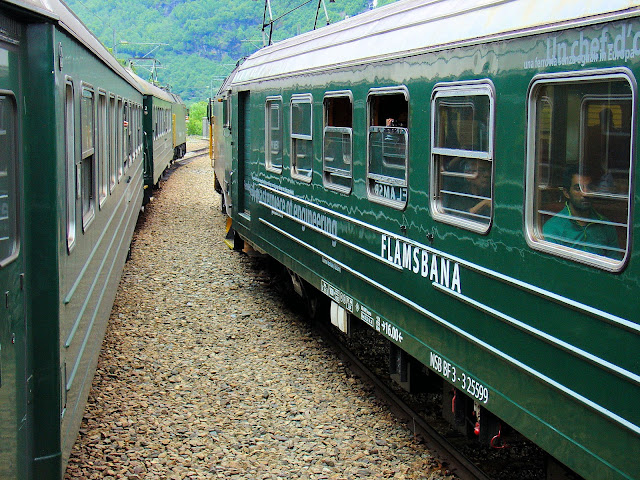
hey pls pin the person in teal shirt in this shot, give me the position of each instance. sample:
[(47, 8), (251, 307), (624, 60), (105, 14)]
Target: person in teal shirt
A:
[(578, 225)]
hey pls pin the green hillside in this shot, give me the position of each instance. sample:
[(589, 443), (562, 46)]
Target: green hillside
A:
[(204, 38)]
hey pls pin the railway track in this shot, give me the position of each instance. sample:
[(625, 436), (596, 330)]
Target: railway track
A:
[(192, 155), (456, 462)]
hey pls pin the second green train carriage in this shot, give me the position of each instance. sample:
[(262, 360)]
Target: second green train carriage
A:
[(461, 177), (179, 126)]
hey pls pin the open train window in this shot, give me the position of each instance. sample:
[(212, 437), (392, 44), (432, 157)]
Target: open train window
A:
[(337, 148), (388, 141), (87, 164), (302, 137), (579, 166), (273, 134), (71, 169), (8, 180), (462, 154)]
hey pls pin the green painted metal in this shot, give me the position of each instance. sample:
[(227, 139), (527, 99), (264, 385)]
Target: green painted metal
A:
[(13, 331), (59, 297), (158, 143), (179, 124), (548, 344)]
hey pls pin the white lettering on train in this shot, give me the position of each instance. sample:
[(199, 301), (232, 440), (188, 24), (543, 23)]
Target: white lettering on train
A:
[(618, 43), (408, 256)]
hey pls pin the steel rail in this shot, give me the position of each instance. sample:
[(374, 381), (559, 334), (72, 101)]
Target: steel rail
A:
[(456, 462)]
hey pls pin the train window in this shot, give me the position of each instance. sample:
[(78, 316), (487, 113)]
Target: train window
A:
[(337, 141), (273, 134), (579, 167), (136, 121), (103, 160), (127, 134), (113, 129), (71, 169), (226, 110), (302, 137), (462, 155), (120, 140), (8, 180), (140, 132), (87, 164), (387, 152), (133, 133)]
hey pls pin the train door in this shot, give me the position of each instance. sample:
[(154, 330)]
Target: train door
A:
[(13, 328), (244, 150)]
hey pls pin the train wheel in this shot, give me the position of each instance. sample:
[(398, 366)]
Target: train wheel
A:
[(316, 304)]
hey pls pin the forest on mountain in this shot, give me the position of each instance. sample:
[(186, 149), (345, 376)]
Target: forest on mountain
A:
[(196, 43)]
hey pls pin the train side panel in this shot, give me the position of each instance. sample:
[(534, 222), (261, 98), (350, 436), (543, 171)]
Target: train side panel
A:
[(222, 150), (13, 331), (42, 163), (179, 127), (105, 216), (539, 338), (78, 206)]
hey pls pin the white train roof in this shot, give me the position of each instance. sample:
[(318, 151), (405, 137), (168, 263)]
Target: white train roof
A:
[(414, 26)]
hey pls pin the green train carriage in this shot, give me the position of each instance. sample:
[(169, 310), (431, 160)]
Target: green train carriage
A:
[(179, 126), (221, 143), (158, 133), (406, 163), (71, 188)]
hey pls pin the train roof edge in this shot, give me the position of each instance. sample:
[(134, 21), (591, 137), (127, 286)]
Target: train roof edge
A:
[(35, 6), (58, 11), (149, 88), (398, 30)]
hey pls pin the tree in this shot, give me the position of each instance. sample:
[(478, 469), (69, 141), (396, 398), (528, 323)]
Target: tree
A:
[(197, 111)]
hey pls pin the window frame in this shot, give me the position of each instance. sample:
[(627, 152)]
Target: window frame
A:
[(14, 180), (268, 162), (126, 139), (102, 161), (372, 197), (112, 120), (90, 153), (295, 137), (533, 234), (344, 130), (475, 88), (71, 167), (226, 109), (120, 137)]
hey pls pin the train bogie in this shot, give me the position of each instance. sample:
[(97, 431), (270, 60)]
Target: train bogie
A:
[(469, 197)]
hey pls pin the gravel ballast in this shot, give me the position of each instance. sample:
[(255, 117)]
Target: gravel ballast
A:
[(205, 372)]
